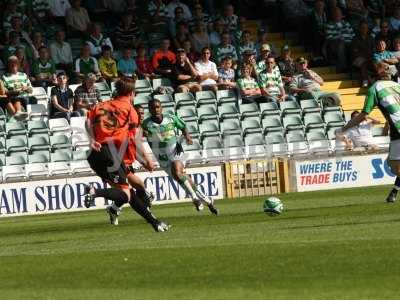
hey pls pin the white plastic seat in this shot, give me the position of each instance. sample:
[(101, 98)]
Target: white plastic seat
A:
[(59, 126), (59, 168), (78, 125), (80, 140), (36, 170), (80, 166), (36, 111), (13, 172)]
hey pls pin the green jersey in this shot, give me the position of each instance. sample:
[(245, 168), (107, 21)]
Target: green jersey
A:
[(163, 137), (385, 94)]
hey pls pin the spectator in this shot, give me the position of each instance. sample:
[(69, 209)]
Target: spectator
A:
[(361, 135), (385, 34), (306, 84), (229, 19), (145, 68), (61, 52), (382, 55), (58, 9), (199, 17), (163, 59), (127, 33), (215, 35), (182, 35), (158, 12), (271, 83), (41, 11), (107, 65), (77, 19), (13, 44), (200, 38), (226, 49), (190, 53), (174, 4), (376, 9), (248, 87), (174, 22), (249, 59), (126, 65), (396, 48), (395, 20), (339, 35), (207, 70), (286, 65), (11, 12), (263, 40), (362, 48), (24, 65), (97, 40), (37, 43), (318, 23), (265, 53), (86, 95), (16, 25), (226, 75), (185, 74), (43, 69), (241, 27), (18, 87), (62, 99), (356, 11), (86, 64), (246, 44)]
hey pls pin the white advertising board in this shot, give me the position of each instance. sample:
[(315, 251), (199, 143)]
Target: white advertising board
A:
[(343, 172), (65, 195)]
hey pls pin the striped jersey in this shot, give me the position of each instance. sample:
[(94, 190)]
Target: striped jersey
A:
[(45, 69), (162, 11), (247, 83), (225, 51), (385, 94), (271, 81), (14, 82), (162, 137), (339, 30)]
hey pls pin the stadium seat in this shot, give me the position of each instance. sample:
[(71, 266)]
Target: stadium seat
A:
[(80, 167), (2, 115), (37, 111), (142, 100), (207, 112), (39, 93), (184, 99), (80, 154), (226, 96), (292, 122), (59, 126), (37, 127), (143, 86), (233, 147), (269, 109), (297, 144), (251, 126), (313, 120), (2, 145), (73, 87), (249, 110), (36, 170), (193, 153), (78, 125), (204, 96), (213, 149), (59, 168), (60, 142), (187, 113), (38, 158), (164, 99), (331, 132), (230, 126), (16, 144), (13, 172), (333, 119), (317, 142), (271, 123), (60, 156), (15, 128), (332, 108), (2, 160), (209, 128), (290, 107), (157, 82), (377, 131), (310, 106), (38, 143), (193, 128), (276, 144), (254, 146), (80, 140), (228, 111), (295, 137)]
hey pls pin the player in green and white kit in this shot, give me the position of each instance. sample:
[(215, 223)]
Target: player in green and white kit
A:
[(385, 94), (161, 132)]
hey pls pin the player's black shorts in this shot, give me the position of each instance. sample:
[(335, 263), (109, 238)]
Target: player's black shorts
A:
[(108, 167)]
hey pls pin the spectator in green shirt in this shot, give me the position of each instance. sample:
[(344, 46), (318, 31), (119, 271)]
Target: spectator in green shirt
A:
[(43, 69)]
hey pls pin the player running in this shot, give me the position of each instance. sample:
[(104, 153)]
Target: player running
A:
[(385, 94), (109, 125), (160, 130)]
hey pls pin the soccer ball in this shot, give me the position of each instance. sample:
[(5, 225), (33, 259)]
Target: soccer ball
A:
[(273, 206)]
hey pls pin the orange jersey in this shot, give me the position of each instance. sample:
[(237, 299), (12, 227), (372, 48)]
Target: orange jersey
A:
[(113, 120)]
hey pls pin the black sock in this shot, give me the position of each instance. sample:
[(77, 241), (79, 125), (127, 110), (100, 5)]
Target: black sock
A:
[(138, 206), (118, 196), (396, 185), (144, 196)]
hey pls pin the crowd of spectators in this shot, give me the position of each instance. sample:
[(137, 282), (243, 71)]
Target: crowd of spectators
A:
[(197, 45)]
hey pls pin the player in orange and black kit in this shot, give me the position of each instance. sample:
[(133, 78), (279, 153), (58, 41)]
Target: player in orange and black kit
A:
[(109, 124)]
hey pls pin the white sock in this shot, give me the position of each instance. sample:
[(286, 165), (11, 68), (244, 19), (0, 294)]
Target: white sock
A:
[(185, 184), (116, 208)]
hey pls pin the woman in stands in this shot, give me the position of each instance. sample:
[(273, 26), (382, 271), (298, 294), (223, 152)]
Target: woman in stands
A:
[(385, 95)]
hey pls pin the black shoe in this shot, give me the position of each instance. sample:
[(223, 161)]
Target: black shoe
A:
[(392, 197), (213, 209), (89, 198), (161, 226), (148, 198)]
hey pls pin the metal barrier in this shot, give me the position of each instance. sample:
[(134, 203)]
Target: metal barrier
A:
[(256, 177)]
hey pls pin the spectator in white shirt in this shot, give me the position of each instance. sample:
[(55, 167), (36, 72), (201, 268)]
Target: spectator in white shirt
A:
[(177, 3), (207, 70), (61, 52), (97, 40), (361, 135)]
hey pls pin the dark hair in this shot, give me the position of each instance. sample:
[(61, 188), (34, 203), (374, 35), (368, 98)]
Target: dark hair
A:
[(153, 101), (354, 112), (42, 47), (62, 73), (105, 48), (138, 106), (125, 86), (205, 49)]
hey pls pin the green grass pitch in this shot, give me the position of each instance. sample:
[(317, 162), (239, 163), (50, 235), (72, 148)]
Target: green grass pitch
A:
[(341, 244)]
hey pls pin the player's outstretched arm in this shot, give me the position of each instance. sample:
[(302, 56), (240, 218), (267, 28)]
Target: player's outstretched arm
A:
[(355, 121), (187, 136)]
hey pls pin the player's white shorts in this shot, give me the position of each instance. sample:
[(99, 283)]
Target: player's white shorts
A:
[(167, 164), (394, 150)]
